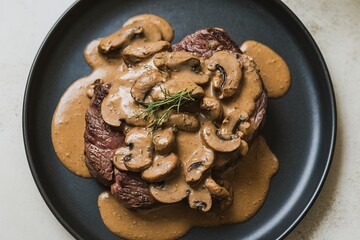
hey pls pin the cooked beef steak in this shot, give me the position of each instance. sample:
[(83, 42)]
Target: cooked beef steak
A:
[(205, 42), (100, 139), (131, 190)]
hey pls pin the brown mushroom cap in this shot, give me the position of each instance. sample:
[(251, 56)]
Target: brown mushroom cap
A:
[(141, 149), (161, 168), (172, 191), (230, 70), (165, 28), (210, 136), (200, 199), (124, 36), (164, 140), (215, 189), (175, 61), (198, 164), (213, 108), (223, 201), (183, 121), (144, 84), (120, 154), (119, 107), (232, 121), (174, 86), (138, 52)]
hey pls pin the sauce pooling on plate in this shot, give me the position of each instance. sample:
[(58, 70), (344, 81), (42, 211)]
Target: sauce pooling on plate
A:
[(203, 161), (173, 221), (273, 69)]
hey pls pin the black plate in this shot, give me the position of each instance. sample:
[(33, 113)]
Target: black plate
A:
[(301, 127)]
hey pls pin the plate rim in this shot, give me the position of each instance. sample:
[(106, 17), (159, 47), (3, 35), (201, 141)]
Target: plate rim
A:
[(279, 4)]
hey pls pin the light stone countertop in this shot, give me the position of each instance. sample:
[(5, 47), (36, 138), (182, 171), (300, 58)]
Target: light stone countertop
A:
[(334, 25)]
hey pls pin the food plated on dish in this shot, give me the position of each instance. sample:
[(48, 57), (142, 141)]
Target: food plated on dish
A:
[(174, 131)]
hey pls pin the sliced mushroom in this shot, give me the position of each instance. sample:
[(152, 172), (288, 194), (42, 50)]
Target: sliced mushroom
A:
[(144, 84), (213, 108), (231, 122), (224, 202), (172, 191), (247, 129), (138, 52), (215, 189), (164, 140), (124, 36), (187, 74), (200, 199), (183, 121), (214, 140), (196, 166), (118, 160), (229, 73), (174, 86), (161, 168), (119, 107), (165, 28), (140, 148), (189, 65), (175, 61)]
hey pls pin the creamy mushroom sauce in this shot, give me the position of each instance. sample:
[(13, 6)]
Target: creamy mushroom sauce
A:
[(273, 69), (249, 179)]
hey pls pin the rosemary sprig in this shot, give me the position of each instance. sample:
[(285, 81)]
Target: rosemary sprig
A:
[(157, 112)]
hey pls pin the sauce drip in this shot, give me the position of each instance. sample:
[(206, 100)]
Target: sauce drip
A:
[(68, 122), (174, 220), (273, 69)]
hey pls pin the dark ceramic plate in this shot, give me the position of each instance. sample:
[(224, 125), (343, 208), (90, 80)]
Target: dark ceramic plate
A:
[(301, 126)]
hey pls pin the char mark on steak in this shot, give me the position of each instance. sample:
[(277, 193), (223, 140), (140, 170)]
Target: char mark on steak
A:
[(131, 190)]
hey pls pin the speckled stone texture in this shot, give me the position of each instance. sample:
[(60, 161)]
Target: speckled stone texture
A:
[(334, 25)]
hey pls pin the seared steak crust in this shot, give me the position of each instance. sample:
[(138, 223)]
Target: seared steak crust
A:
[(205, 42), (100, 139), (131, 190)]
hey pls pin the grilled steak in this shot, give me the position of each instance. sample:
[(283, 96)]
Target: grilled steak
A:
[(101, 140), (205, 42), (132, 190)]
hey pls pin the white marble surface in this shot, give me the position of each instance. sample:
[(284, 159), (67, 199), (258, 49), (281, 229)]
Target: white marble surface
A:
[(335, 27)]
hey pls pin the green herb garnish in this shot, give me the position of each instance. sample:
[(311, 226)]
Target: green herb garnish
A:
[(157, 112)]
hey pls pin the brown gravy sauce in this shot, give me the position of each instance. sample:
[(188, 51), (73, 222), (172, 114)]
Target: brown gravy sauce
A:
[(174, 220), (68, 123), (273, 69), (250, 190)]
